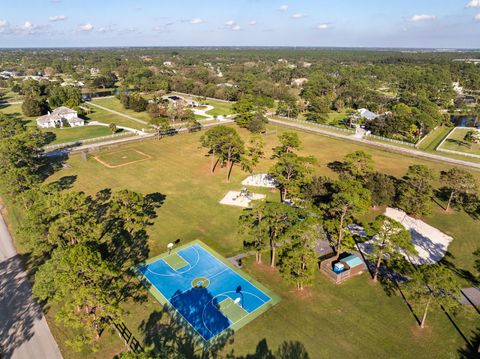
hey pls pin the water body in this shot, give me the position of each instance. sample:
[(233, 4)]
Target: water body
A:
[(465, 121)]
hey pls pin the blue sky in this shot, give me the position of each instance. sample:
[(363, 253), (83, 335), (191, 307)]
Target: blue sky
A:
[(363, 23)]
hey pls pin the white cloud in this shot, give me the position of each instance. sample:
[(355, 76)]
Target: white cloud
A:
[(423, 17), (4, 27), (323, 26), (232, 25), (473, 3), (85, 27), (252, 23), (105, 29), (283, 8), (477, 17), (196, 21), (298, 15), (57, 18), (27, 28)]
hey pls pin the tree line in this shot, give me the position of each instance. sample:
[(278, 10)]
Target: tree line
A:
[(81, 247), (313, 209)]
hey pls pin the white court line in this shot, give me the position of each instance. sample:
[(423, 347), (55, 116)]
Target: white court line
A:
[(163, 259), (186, 290), (216, 274), (177, 274), (224, 294)]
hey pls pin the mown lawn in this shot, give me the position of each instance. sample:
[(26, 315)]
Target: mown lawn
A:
[(114, 104), (104, 116), (221, 108), (456, 142), (10, 96), (16, 110), (352, 320), (71, 134), (434, 138)]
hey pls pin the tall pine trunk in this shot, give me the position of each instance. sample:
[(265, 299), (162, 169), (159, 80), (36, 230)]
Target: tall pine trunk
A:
[(229, 164), (229, 171), (272, 264), (379, 261), (212, 167), (450, 201), (340, 232), (422, 325)]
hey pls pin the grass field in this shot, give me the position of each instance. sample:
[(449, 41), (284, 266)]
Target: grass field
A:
[(16, 110), (455, 142), (433, 139), (101, 115), (221, 108), (10, 96), (355, 319), (114, 104), (122, 158), (71, 134)]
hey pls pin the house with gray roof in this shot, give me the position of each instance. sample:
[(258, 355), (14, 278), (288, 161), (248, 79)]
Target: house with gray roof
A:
[(369, 115), (59, 118)]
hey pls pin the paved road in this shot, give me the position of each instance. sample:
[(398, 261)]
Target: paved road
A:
[(119, 113), (24, 332), (387, 146)]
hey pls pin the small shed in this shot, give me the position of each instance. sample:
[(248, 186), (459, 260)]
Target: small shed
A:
[(342, 268)]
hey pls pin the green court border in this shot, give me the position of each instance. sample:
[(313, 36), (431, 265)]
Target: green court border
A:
[(274, 298)]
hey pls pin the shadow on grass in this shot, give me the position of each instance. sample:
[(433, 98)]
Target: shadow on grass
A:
[(472, 351), (286, 350), (18, 311), (462, 273), (52, 164), (167, 333), (458, 143)]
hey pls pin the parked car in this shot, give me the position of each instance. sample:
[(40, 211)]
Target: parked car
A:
[(195, 128), (170, 132)]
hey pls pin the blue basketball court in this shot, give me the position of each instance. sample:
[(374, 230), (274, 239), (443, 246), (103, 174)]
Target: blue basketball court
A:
[(206, 290)]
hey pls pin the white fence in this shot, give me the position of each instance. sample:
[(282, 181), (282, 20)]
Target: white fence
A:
[(458, 153), (317, 124), (75, 143), (398, 142), (199, 96), (440, 149), (419, 142)]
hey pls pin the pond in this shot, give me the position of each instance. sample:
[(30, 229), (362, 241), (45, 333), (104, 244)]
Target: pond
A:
[(465, 121)]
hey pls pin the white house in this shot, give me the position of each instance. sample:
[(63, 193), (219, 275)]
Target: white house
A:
[(59, 117), (7, 74), (299, 82), (369, 115), (94, 71)]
